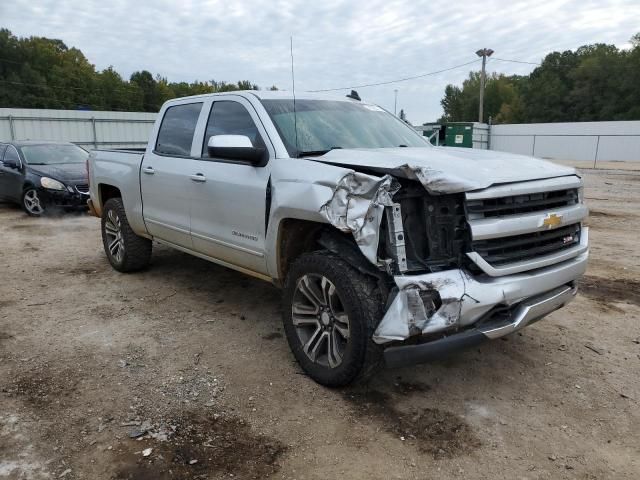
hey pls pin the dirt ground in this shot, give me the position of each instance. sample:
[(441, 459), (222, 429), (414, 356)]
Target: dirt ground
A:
[(182, 371)]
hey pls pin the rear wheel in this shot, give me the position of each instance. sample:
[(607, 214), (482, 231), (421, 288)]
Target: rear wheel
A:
[(330, 313), (31, 202), (126, 251)]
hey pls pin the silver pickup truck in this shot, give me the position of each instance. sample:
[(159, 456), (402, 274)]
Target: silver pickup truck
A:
[(388, 250)]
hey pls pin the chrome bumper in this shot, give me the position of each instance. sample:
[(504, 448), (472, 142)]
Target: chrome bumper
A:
[(467, 299), (524, 314)]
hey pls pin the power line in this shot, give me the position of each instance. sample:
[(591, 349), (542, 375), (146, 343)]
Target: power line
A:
[(46, 85), (396, 80), (552, 65), (515, 61), (82, 103)]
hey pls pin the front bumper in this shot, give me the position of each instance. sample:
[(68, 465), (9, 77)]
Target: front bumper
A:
[(504, 323), (470, 301), (63, 198)]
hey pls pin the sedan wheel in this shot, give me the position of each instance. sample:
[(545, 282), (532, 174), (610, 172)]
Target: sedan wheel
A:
[(31, 202)]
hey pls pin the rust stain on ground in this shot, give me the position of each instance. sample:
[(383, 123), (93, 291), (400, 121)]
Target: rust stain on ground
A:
[(431, 430), (203, 445)]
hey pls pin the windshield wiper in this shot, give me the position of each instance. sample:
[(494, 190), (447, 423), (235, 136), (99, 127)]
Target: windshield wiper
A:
[(316, 153)]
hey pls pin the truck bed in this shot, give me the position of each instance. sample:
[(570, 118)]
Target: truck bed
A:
[(118, 170)]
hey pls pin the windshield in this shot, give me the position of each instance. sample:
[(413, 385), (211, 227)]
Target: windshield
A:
[(323, 125), (53, 154)]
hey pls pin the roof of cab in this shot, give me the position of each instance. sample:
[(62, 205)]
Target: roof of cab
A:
[(271, 95)]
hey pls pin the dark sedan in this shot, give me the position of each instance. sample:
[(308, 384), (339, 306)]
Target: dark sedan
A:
[(39, 175)]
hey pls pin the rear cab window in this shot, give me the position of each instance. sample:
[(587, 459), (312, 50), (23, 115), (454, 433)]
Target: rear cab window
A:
[(175, 136)]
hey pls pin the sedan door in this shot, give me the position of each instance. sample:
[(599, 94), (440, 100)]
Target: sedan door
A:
[(164, 176), (229, 197), (11, 179)]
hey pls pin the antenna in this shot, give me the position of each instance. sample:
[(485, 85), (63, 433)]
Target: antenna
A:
[(293, 81)]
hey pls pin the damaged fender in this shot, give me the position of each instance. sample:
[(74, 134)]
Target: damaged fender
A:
[(357, 206)]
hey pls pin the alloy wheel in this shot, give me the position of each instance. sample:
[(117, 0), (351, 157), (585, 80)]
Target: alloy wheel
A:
[(32, 202), (320, 320), (113, 232)]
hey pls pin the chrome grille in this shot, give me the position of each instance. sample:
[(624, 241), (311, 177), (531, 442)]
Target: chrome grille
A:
[(516, 248), (519, 204), (83, 188)]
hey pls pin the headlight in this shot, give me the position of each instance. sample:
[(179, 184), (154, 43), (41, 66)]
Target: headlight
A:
[(51, 184), (581, 195)]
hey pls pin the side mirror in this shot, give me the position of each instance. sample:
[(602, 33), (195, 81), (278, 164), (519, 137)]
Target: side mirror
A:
[(10, 164), (236, 147)]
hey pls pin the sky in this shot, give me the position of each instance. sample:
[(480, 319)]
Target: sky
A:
[(335, 43)]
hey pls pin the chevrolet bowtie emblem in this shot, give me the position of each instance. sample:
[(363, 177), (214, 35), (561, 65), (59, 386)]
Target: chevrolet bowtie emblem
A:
[(552, 221)]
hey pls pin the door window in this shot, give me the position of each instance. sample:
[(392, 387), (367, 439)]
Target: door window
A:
[(12, 154), (176, 131), (231, 118)]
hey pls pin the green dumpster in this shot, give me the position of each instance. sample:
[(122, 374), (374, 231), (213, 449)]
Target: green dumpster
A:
[(459, 134)]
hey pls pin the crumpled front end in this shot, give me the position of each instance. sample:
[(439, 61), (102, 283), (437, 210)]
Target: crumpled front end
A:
[(456, 257)]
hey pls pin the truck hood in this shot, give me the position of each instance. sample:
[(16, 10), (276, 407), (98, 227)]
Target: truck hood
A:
[(68, 173), (447, 169)]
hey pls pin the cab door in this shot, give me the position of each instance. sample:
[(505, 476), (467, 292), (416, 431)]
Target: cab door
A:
[(164, 176), (228, 198)]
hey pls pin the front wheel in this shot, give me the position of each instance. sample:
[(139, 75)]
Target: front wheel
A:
[(126, 251), (31, 203), (330, 313)]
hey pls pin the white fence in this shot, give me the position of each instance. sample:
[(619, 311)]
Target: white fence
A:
[(586, 141), (86, 128)]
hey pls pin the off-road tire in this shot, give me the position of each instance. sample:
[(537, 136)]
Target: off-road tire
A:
[(137, 250), (363, 303)]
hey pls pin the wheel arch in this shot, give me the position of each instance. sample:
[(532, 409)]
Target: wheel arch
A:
[(297, 236), (107, 192)]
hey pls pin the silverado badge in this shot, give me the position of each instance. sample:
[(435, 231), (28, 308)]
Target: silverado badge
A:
[(552, 221)]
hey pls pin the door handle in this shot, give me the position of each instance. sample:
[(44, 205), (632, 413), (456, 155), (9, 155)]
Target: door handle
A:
[(198, 177), (148, 170)]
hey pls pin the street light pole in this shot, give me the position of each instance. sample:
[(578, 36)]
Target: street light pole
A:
[(395, 102), (484, 53)]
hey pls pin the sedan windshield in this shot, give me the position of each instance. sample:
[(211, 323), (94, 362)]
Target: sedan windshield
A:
[(53, 154), (322, 125)]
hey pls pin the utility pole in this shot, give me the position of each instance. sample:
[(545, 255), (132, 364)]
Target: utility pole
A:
[(484, 53), (395, 101)]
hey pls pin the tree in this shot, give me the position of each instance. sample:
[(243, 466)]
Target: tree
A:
[(594, 82), (501, 100), (38, 72)]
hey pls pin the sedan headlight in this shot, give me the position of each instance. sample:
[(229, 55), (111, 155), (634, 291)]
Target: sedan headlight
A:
[(51, 184)]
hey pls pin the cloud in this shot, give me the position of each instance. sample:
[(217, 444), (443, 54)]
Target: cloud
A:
[(336, 43)]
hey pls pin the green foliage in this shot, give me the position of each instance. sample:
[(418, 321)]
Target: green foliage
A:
[(595, 83), (38, 72)]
